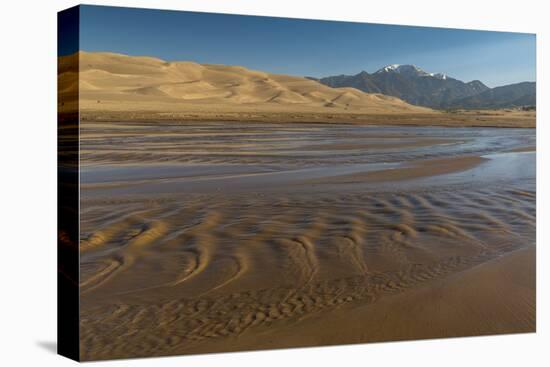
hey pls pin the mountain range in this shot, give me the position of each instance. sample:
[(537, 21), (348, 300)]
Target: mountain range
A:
[(435, 90)]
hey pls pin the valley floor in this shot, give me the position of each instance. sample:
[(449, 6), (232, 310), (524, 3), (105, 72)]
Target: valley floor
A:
[(472, 118)]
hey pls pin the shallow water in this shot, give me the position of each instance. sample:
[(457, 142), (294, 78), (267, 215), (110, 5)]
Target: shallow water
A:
[(288, 143), (195, 233), (188, 158)]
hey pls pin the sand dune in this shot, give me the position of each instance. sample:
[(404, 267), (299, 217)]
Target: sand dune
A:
[(115, 87), (115, 82)]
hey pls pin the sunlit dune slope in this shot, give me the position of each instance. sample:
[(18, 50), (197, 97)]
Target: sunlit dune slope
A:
[(115, 82)]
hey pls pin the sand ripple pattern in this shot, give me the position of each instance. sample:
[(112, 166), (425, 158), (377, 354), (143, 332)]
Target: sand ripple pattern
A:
[(198, 234), (171, 274)]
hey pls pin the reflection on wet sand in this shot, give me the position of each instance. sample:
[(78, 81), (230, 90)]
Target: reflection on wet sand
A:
[(219, 237)]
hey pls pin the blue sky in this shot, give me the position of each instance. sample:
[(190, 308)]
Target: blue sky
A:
[(307, 47)]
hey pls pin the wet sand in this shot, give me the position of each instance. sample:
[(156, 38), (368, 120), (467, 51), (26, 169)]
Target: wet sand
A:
[(206, 237), (463, 304)]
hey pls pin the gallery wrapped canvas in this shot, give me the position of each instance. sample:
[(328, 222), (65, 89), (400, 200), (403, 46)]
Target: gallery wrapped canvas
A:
[(232, 183)]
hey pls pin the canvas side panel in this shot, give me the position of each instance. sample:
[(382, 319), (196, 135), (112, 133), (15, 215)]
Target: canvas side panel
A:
[(68, 184)]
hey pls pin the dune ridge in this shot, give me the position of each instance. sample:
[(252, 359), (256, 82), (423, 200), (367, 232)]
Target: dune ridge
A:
[(116, 82)]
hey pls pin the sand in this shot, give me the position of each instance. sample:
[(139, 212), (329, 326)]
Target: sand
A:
[(465, 304), (115, 82), (425, 168), (209, 236), (115, 87)]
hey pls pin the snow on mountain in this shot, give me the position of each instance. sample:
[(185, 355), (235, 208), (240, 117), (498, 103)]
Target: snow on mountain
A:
[(439, 75), (411, 84), (409, 70), (393, 67)]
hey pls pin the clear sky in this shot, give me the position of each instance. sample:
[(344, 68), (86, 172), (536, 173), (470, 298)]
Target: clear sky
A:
[(307, 47)]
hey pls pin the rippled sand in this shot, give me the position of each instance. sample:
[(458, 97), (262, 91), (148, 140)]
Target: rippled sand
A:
[(220, 237)]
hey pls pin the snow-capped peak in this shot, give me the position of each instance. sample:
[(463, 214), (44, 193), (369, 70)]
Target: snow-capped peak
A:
[(398, 68), (439, 75), (392, 67), (410, 70)]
